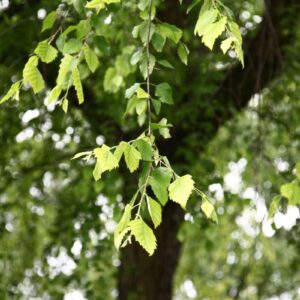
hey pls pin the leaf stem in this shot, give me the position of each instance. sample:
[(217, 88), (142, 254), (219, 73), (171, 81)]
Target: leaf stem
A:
[(143, 195)]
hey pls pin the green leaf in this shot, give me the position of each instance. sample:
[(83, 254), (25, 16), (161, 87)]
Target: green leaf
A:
[(157, 105), (65, 67), (298, 170), (78, 85), (163, 128), (141, 106), (54, 94), (132, 157), (158, 42), (183, 53), (122, 227), (136, 57), (239, 53), (65, 105), (46, 52), (169, 31), (141, 93), (209, 210), (274, 206), (120, 150), (155, 211), (144, 235), (69, 29), (49, 21), (100, 4), (212, 32), (72, 46), (130, 91), (205, 19), (90, 58), (159, 182), (144, 148), (181, 189), (131, 105), (291, 191), (106, 161), (32, 75), (11, 92), (235, 32), (226, 44), (142, 31), (86, 155), (143, 65), (83, 28), (60, 42), (165, 63), (164, 92)]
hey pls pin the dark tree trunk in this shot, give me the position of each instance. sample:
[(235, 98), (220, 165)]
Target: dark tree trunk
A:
[(151, 278)]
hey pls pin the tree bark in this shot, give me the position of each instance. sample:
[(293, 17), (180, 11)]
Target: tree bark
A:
[(151, 278)]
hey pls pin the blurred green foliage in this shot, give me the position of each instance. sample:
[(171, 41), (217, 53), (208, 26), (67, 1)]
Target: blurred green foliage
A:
[(49, 203)]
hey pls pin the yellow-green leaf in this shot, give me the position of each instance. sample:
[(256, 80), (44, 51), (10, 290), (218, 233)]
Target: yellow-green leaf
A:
[(226, 44), (155, 211), (213, 31), (144, 235), (49, 21), (65, 105), (208, 209), (291, 191), (181, 189), (54, 94), (78, 85), (106, 161), (122, 227), (100, 4), (205, 19), (141, 94), (132, 157), (298, 170), (32, 75), (46, 52), (11, 92), (90, 58), (65, 67)]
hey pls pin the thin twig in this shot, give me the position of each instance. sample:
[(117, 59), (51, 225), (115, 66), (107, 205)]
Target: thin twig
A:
[(148, 66)]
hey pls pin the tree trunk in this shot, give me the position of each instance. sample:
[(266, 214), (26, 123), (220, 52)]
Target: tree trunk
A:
[(151, 278)]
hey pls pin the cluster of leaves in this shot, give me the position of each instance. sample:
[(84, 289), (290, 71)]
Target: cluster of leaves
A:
[(78, 60), (289, 191), (215, 19), (157, 178)]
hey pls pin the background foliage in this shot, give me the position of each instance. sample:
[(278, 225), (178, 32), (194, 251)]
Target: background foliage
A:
[(57, 223)]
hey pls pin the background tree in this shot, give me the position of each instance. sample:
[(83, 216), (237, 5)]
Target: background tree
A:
[(50, 207)]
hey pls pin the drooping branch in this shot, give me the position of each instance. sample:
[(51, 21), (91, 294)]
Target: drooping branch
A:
[(264, 59)]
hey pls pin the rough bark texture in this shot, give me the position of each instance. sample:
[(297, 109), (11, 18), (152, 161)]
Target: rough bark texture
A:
[(150, 278)]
